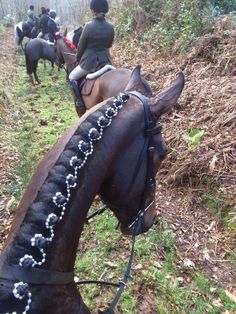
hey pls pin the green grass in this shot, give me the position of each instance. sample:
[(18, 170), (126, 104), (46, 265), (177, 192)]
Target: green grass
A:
[(45, 112), (193, 137), (218, 203), (158, 277)]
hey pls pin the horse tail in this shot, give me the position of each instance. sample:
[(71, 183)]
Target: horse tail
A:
[(18, 35), (27, 61)]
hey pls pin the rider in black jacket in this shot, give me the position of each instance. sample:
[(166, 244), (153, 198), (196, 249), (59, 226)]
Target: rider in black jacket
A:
[(93, 47), (53, 28), (43, 24)]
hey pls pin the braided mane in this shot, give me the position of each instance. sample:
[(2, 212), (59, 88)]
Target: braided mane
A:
[(55, 183)]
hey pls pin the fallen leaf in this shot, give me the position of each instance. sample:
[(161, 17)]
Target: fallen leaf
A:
[(217, 303), (206, 256), (188, 263), (231, 296), (10, 202), (213, 163), (138, 266), (110, 264), (157, 264)]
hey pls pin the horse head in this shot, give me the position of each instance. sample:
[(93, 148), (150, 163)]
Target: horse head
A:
[(129, 188), (65, 54)]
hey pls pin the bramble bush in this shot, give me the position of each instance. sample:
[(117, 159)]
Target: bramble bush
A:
[(168, 23), (224, 6)]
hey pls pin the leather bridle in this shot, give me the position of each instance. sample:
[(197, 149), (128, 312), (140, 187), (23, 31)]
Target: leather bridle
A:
[(151, 128), (42, 276)]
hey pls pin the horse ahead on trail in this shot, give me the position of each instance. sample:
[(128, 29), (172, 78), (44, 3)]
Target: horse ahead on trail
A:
[(98, 86), (74, 36), (37, 49), (26, 29), (115, 150)]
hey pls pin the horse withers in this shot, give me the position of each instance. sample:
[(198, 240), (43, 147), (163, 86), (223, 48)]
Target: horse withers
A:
[(115, 150), (37, 49)]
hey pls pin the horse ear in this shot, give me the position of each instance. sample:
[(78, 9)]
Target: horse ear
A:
[(65, 32), (135, 82), (165, 100)]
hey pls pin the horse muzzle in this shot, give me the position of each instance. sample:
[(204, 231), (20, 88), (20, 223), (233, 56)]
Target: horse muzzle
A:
[(139, 227)]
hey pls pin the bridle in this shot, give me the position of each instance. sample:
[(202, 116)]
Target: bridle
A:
[(151, 128), (60, 63), (42, 276)]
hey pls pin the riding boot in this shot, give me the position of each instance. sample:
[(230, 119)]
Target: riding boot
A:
[(79, 104)]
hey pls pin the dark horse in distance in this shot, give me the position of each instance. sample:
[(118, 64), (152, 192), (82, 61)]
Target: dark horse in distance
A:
[(36, 49), (26, 29), (98, 154)]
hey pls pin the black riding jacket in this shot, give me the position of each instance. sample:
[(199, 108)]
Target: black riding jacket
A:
[(52, 29), (93, 47), (43, 23)]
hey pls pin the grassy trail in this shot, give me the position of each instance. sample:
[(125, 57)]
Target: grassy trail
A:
[(162, 282)]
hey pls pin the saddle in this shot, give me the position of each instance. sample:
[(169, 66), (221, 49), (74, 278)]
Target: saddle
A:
[(86, 84)]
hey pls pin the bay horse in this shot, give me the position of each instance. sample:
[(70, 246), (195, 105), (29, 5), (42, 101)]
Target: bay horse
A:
[(36, 49), (115, 150), (105, 86)]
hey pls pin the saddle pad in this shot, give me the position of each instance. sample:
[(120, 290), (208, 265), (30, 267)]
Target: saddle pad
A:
[(87, 84), (86, 87)]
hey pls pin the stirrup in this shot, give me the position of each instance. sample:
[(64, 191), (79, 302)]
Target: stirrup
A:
[(80, 104), (80, 108)]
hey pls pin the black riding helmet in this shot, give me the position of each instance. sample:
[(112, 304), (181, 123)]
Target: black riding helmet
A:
[(99, 6)]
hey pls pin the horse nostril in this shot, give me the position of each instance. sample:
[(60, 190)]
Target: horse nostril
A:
[(155, 220)]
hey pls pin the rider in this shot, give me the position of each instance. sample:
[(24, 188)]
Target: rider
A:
[(31, 16), (43, 23), (53, 28), (93, 47)]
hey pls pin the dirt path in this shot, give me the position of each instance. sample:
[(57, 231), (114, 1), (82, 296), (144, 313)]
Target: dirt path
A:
[(8, 116)]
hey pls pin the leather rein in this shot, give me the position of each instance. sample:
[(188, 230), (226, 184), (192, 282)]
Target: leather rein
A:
[(43, 276)]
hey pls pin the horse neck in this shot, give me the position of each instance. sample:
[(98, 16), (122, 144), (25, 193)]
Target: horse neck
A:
[(69, 55), (61, 252)]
